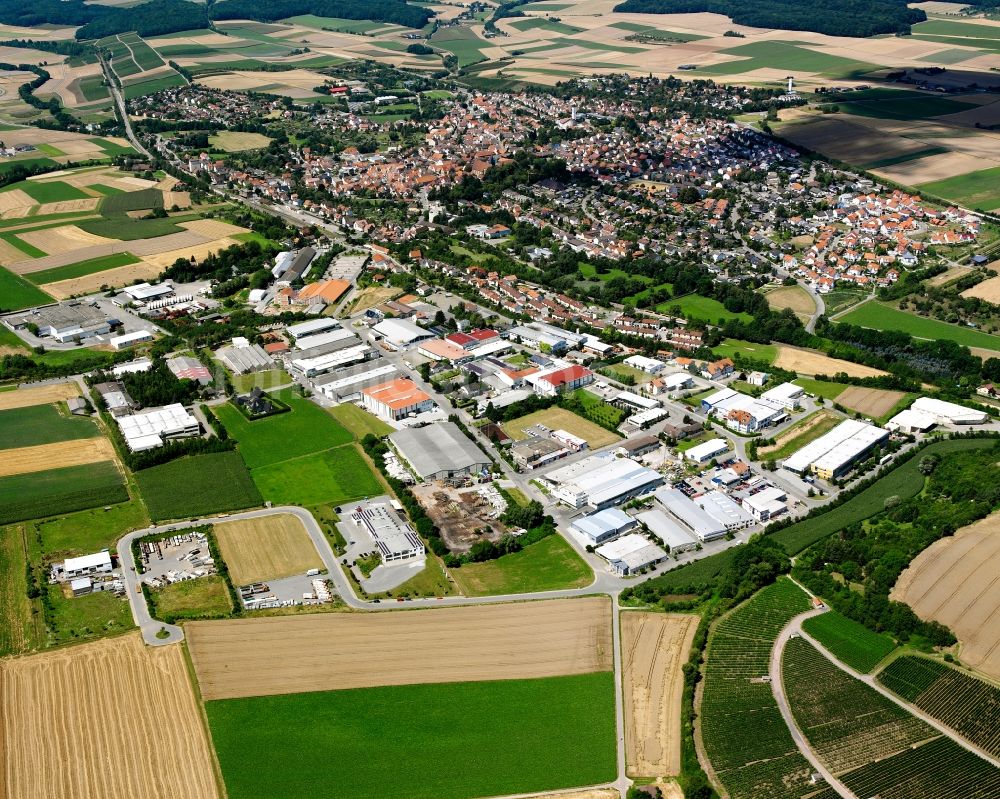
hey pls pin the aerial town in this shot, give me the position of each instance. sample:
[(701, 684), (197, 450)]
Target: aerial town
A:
[(464, 400)]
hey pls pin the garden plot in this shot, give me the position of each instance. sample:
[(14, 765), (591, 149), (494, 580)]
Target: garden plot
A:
[(237, 658)]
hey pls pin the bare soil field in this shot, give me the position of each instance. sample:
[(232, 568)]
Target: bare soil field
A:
[(266, 548), (462, 516), (933, 167), (9, 254), (873, 402), (69, 206), (848, 141), (113, 278), (113, 718), (43, 395), (988, 290), (24, 460), (212, 228), (162, 260), (654, 648), (954, 581), (240, 657), (14, 200), (809, 362)]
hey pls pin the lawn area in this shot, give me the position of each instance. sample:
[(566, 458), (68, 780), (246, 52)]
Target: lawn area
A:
[(359, 421), (125, 228), (232, 141), (91, 530), (42, 424), (17, 293), (694, 306), (206, 597), (547, 565), (975, 189), (54, 191), (597, 410), (853, 643), (197, 485), (305, 429), (880, 316), (623, 373), (334, 476), (443, 741), (820, 388), (272, 378), (735, 349), (561, 419), (56, 491), (95, 615), (82, 268), (430, 581)]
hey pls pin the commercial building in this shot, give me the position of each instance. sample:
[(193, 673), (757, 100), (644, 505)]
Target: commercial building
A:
[(911, 421), (766, 504), (537, 451), (312, 327), (145, 292), (560, 381), (724, 510), (444, 350), (638, 446), (602, 481), (347, 384), (673, 535), (67, 321), (396, 399), (555, 343), (787, 395), (393, 538), (702, 525), (153, 428), (317, 344), (473, 339), (321, 364), (84, 566), (400, 333), (631, 401), (241, 359), (948, 412), (640, 421), (631, 554), (127, 340), (439, 451), (603, 525), (742, 412), (707, 450), (184, 367), (644, 364), (833, 454)]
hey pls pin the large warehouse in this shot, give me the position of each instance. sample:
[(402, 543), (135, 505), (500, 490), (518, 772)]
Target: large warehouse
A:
[(948, 412), (396, 399), (439, 451), (833, 454), (602, 481), (393, 537), (701, 524), (152, 428)]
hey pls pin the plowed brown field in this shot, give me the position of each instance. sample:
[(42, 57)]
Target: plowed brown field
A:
[(293, 654), (25, 397), (109, 719), (266, 548), (873, 402), (24, 460), (955, 581), (654, 648)]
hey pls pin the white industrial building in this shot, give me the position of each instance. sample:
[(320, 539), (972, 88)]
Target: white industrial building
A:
[(724, 510), (127, 340), (644, 364), (676, 381), (766, 504), (834, 453), (439, 451), (787, 395), (144, 292), (630, 554), (603, 526), (707, 450), (347, 384), (758, 413), (674, 536), (312, 327), (644, 419), (635, 402), (948, 412), (153, 428), (243, 357), (704, 526), (393, 538), (84, 566), (321, 364), (911, 421), (602, 481), (400, 333)]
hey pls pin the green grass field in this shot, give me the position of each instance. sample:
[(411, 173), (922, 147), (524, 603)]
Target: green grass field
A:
[(975, 189), (731, 347), (305, 429), (786, 56), (42, 424), (880, 316), (17, 293), (540, 23), (57, 491), (51, 191), (125, 228), (462, 42), (334, 476), (850, 642), (82, 618), (547, 565), (82, 268), (158, 84), (93, 89), (122, 202), (91, 530), (197, 485), (693, 306), (359, 421), (821, 388), (206, 597), (28, 249), (453, 741)]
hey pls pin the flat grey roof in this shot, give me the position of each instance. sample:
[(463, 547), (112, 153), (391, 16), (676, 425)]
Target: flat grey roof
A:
[(439, 447)]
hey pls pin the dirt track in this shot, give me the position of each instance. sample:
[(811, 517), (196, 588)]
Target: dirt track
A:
[(954, 581), (292, 654), (266, 548), (109, 719), (43, 395), (24, 460), (808, 362), (654, 648)]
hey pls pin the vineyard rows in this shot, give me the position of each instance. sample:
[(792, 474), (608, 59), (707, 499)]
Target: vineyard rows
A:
[(848, 641), (745, 736), (969, 706)]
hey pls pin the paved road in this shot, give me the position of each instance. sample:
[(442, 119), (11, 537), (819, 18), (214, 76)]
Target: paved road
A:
[(122, 108)]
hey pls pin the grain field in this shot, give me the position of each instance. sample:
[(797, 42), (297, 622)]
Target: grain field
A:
[(42, 395), (24, 460), (266, 548), (654, 648), (293, 654), (112, 719), (872, 402), (810, 362)]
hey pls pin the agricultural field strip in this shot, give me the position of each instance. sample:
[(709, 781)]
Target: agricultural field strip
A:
[(907, 706), (42, 395), (57, 455), (266, 548), (452, 644)]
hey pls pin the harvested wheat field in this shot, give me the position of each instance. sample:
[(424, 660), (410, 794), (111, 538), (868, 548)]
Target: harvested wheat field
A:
[(293, 654), (24, 460), (654, 648), (212, 228), (266, 548), (873, 402), (988, 290), (954, 581), (43, 395), (810, 362), (60, 240), (112, 278), (109, 719), (795, 299)]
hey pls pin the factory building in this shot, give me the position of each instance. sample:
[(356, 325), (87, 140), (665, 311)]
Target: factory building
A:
[(631, 554), (393, 538), (602, 481), (439, 451), (674, 536), (396, 399), (948, 412), (603, 526), (833, 454), (153, 428), (703, 525)]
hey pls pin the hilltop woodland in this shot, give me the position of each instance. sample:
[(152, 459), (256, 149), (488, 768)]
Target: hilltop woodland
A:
[(839, 17), (160, 17)]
